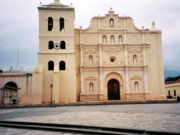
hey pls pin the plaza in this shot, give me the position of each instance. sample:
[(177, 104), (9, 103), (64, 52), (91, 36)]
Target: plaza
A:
[(156, 117)]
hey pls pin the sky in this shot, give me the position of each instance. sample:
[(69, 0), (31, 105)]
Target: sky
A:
[(19, 26)]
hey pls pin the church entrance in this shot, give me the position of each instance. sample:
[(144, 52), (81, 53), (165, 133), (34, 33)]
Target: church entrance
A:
[(113, 90)]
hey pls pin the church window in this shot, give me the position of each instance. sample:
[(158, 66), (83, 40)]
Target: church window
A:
[(91, 86), (169, 93), (50, 65), (111, 22), (136, 86), (112, 39), (174, 92), (51, 45), (63, 45), (61, 24), (90, 59), (134, 58), (104, 39), (56, 46), (112, 59), (50, 24), (62, 65), (120, 40)]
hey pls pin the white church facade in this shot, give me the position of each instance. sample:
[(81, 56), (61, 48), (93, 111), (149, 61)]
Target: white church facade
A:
[(110, 60)]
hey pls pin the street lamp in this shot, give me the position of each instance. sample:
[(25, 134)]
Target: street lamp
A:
[(51, 86)]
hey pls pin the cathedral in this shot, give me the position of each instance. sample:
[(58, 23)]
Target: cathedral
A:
[(110, 60)]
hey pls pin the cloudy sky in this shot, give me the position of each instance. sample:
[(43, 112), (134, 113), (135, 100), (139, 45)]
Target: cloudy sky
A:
[(19, 26)]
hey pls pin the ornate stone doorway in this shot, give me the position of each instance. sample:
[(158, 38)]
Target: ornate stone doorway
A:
[(10, 93), (113, 90)]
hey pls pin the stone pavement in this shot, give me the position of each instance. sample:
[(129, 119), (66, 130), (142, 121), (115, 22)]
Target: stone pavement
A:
[(12, 131), (158, 117)]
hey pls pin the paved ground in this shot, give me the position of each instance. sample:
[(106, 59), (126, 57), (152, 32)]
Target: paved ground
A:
[(11, 131), (159, 117)]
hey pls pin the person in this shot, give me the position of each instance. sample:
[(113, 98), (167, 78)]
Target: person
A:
[(178, 99)]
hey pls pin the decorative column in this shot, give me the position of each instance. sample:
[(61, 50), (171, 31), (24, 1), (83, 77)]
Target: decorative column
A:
[(100, 57), (126, 56), (144, 61), (124, 31), (81, 63), (126, 69), (100, 70)]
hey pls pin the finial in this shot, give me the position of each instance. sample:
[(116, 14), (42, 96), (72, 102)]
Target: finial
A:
[(153, 26), (111, 10), (56, 1)]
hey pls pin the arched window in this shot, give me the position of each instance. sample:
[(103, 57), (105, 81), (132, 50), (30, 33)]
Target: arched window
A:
[(134, 58), (91, 86), (51, 45), (11, 86), (174, 92), (50, 24), (111, 22), (90, 59), (136, 86), (50, 65), (169, 93), (63, 45), (61, 24), (112, 39), (104, 39), (62, 65), (120, 41)]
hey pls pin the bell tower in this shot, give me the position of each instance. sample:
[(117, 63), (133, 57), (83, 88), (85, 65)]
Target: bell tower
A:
[(56, 57)]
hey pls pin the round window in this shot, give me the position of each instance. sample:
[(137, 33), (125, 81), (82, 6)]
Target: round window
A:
[(56, 46), (112, 59)]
